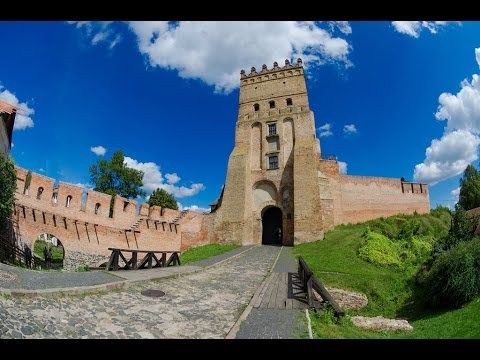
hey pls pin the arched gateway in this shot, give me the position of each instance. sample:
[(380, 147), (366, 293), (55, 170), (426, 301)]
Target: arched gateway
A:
[(272, 231)]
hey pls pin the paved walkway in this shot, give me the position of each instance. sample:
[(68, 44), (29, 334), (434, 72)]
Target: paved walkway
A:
[(17, 278), (204, 304), (268, 319)]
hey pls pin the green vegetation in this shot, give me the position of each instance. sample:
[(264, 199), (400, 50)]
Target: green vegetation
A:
[(469, 188), (57, 251), (115, 178), (204, 252), (8, 184), (381, 258), (163, 199)]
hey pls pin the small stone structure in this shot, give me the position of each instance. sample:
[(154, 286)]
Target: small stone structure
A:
[(379, 323)]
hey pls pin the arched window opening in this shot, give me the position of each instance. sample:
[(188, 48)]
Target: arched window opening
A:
[(69, 201), (39, 193), (97, 208)]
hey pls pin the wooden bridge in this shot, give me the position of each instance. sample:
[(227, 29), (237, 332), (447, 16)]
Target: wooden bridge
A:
[(152, 259)]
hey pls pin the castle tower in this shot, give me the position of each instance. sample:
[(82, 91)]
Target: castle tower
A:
[(271, 194)]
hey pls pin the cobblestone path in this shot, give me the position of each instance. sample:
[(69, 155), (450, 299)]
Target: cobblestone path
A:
[(201, 305)]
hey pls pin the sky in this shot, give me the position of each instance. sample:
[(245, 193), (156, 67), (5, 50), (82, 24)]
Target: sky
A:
[(393, 99)]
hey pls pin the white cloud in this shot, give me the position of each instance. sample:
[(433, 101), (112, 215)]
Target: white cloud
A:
[(350, 129), (23, 118), (342, 167), (458, 147), (99, 32), (477, 55), (447, 157), (12, 145), (153, 179), (193, 208), (414, 28), (325, 130), (455, 193), (462, 111), (172, 178), (193, 47), (98, 150), (342, 26), (41, 170)]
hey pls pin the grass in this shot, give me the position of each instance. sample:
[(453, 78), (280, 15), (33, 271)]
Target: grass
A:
[(57, 251), (204, 252), (336, 263)]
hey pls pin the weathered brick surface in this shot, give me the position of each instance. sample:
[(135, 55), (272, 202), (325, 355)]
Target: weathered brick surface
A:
[(86, 235)]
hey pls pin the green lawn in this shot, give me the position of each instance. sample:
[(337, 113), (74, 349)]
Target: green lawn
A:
[(57, 251), (336, 263), (204, 252)]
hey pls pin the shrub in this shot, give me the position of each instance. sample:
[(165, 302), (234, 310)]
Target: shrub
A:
[(454, 278), (379, 250)]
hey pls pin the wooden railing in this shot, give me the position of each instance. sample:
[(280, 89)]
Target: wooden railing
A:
[(310, 283), (12, 254), (150, 260)]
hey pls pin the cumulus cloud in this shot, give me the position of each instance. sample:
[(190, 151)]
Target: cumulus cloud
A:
[(325, 130), (23, 118), (349, 129), (193, 208), (153, 179), (98, 150), (477, 55), (99, 32), (447, 157), (172, 178), (192, 47), (342, 166), (458, 147), (41, 170), (414, 28)]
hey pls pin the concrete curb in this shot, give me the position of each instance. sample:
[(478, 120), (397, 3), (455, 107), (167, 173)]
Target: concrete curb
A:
[(92, 289)]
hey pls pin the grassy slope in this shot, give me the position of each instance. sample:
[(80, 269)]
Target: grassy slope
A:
[(204, 252), (336, 263)]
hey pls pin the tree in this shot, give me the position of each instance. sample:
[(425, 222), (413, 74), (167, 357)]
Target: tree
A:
[(470, 188), (162, 198), (8, 184), (115, 178)]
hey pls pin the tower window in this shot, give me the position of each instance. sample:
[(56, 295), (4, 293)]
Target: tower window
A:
[(272, 129), (97, 208), (69, 201), (272, 104), (273, 162), (39, 193), (54, 197), (289, 102), (256, 107)]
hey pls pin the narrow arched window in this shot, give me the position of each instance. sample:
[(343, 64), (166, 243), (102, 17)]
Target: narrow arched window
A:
[(272, 104), (97, 208), (256, 107), (69, 201), (289, 102), (39, 193)]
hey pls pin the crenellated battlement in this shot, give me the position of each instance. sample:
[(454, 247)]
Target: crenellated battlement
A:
[(73, 201), (267, 74)]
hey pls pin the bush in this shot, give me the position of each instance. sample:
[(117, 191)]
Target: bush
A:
[(380, 250), (454, 278)]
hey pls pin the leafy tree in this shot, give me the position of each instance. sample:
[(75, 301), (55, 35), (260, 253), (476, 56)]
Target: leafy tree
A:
[(162, 198), (115, 178), (470, 188), (8, 184)]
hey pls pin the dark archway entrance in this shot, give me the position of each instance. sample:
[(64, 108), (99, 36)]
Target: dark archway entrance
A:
[(272, 233)]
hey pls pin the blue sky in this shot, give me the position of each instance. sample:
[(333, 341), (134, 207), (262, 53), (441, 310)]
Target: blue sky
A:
[(390, 98)]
